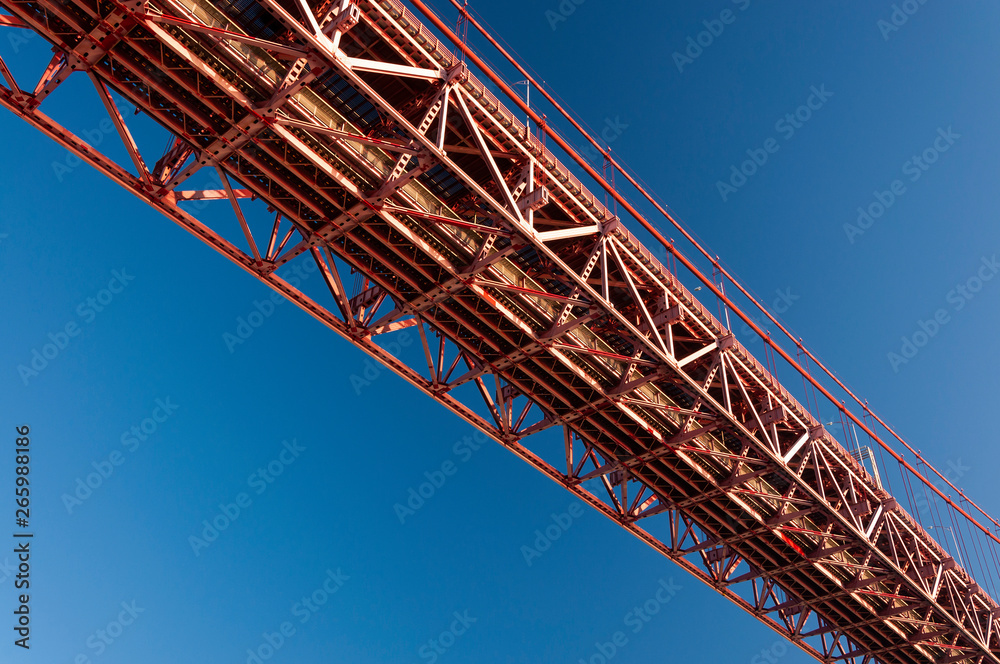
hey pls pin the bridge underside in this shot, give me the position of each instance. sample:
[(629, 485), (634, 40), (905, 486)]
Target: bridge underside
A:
[(378, 154)]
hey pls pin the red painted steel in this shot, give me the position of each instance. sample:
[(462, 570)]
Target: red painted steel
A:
[(386, 158), (669, 246)]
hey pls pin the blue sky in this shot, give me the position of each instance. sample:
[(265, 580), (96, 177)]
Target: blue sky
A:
[(325, 526)]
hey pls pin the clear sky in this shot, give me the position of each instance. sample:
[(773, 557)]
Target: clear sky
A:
[(321, 522)]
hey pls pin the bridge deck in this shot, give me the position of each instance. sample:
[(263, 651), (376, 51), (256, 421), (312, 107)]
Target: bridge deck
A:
[(382, 154)]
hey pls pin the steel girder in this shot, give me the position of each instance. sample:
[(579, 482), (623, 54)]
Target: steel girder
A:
[(379, 152)]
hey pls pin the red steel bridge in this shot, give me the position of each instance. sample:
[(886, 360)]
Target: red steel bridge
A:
[(427, 204)]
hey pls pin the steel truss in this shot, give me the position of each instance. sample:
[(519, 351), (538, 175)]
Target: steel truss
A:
[(379, 153)]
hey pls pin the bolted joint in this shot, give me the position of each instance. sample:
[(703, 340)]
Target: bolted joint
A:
[(344, 20)]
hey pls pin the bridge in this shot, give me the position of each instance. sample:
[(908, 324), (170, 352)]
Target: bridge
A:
[(381, 155)]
